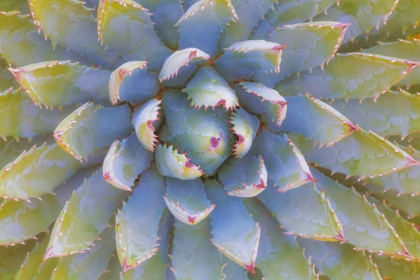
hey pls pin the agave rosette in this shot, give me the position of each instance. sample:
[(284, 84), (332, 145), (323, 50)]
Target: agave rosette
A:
[(209, 139)]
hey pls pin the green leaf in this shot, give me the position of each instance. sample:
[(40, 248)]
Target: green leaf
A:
[(363, 225), (12, 257), (7, 81), (339, 261), (392, 113), (34, 267), (193, 256), (234, 232), (187, 200), (285, 164), (84, 216), (245, 127), (90, 264), (146, 120), (362, 154), (61, 83), (279, 255), (173, 164), (353, 75), (202, 23), (179, 59), (391, 268), (125, 161), (91, 127), (126, 27), (113, 270), (264, 102), (303, 211), (207, 88), (250, 177), (137, 222), (316, 120), (36, 172), (309, 44), (14, 5), (245, 58)]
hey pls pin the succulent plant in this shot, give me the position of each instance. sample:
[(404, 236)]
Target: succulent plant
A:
[(209, 139)]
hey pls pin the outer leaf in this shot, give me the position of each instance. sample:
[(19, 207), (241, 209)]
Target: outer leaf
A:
[(354, 75), (14, 5), (316, 120), (235, 234), (363, 225), (207, 88), (363, 154), (126, 27), (170, 163), (202, 23), (246, 177), (304, 211), (340, 261), (309, 45), (34, 267), (146, 120), (7, 81), (279, 255), (396, 269), (90, 264), (136, 87), (21, 118), (245, 127), (232, 271), (187, 201), (125, 161), (91, 127), (12, 257), (285, 164), (245, 58), (36, 172), (61, 83), (263, 101), (113, 270), (393, 113), (179, 59), (84, 216), (138, 221)]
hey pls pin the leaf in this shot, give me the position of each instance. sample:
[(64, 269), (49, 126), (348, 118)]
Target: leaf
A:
[(279, 255), (248, 13), (363, 225), (187, 200), (202, 23), (91, 127), (309, 45), (316, 120), (126, 27), (193, 256), (245, 58), (391, 268), (264, 102), (137, 222), (303, 211), (14, 5), (362, 154), (233, 271), (7, 81), (339, 261), (84, 216), (12, 257), (70, 24), (207, 88), (136, 87), (245, 127), (392, 113), (90, 264), (156, 267), (249, 179), (34, 267), (36, 172), (234, 232), (285, 164), (353, 75), (61, 83), (146, 120), (113, 270), (173, 164), (179, 59), (125, 161)]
